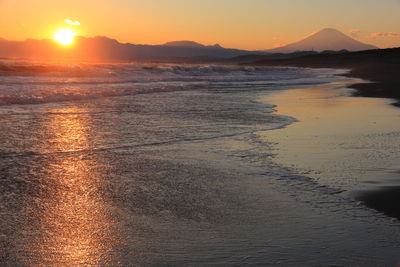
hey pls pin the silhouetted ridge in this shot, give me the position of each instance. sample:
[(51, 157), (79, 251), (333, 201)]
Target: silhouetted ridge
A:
[(191, 44), (184, 44), (102, 48)]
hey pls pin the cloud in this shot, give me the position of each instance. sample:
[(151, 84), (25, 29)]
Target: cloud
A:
[(72, 22), (384, 34), (354, 32)]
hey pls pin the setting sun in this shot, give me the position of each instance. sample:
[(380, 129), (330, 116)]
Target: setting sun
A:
[(64, 36)]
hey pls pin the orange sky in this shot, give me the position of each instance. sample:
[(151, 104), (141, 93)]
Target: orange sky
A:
[(247, 24)]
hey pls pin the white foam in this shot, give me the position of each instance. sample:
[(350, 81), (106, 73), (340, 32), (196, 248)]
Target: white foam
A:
[(32, 82)]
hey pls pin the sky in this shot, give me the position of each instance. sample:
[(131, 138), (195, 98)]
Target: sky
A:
[(245, 24)]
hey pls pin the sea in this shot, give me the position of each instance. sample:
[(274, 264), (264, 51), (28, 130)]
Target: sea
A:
[(156, 164)]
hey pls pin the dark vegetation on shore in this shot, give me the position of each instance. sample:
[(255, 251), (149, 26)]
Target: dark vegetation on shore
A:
[(380, 66)]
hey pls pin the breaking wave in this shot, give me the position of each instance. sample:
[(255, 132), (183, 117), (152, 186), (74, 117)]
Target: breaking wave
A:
[(25, 82)]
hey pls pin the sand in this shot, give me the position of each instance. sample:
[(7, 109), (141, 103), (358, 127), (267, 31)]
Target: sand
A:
[(349, 143)]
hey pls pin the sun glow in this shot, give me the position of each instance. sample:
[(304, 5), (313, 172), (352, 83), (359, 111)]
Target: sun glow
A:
[(65, 36)]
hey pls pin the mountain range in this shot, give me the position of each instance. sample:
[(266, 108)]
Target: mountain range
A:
[(106, 49)]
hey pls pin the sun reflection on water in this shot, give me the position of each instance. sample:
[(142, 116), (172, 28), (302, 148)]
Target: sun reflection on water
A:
[(75, 227)]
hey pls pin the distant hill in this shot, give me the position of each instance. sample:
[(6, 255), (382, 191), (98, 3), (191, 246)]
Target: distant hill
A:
[(326, 39), (345, 60), (191, 44), (106, 49), (184, 44), (254, 57)]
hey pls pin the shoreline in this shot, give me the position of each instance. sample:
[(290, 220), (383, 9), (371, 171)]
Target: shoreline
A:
[(337, 150)]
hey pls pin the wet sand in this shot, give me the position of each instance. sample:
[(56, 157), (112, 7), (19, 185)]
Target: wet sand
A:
[(349, 143)]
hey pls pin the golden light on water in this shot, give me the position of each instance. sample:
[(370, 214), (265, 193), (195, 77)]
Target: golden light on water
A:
[(75, 227), (64, 36)]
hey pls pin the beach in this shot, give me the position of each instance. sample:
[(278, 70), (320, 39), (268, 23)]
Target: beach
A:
[(348, 143), (165, 164)]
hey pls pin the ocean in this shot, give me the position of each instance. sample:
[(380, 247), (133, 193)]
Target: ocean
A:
[(149, 164)]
